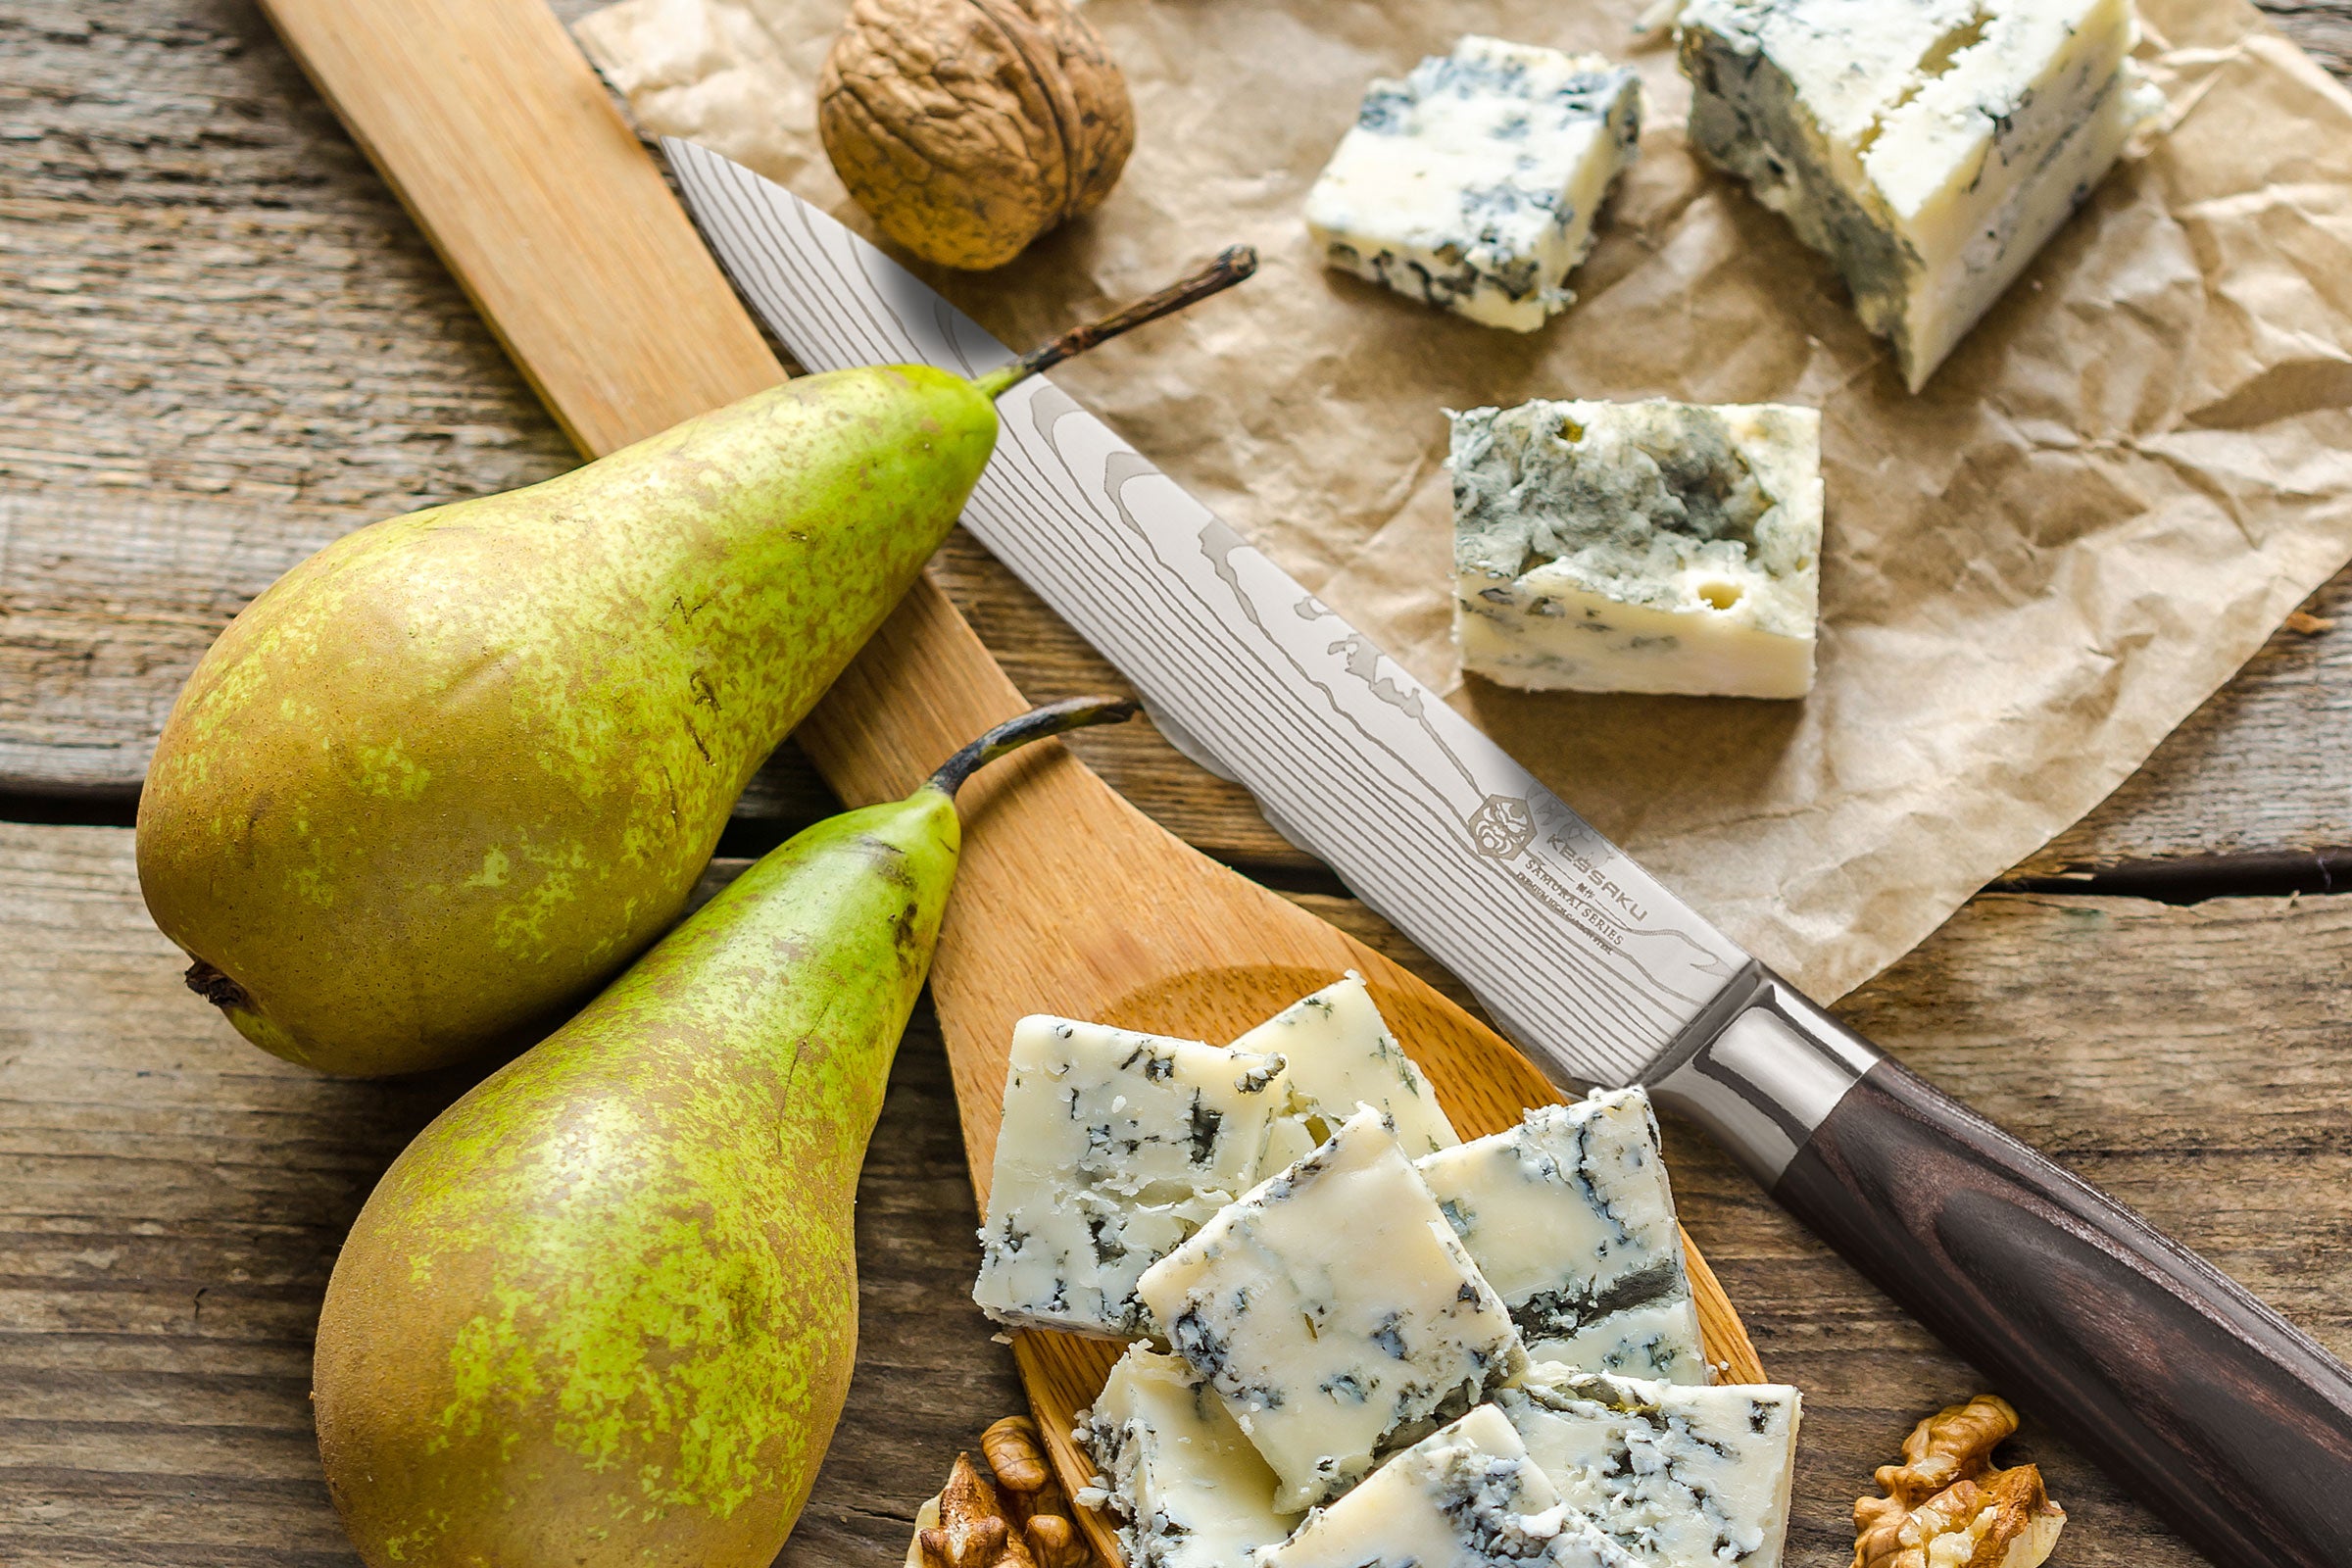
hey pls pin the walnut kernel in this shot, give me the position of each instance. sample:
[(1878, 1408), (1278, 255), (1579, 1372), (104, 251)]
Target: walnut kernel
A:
[(1946, 1506), (1011, 1514), (966, 128)]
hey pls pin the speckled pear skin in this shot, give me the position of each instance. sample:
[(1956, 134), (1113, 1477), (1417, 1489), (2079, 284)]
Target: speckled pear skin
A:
[(456, 769), (604, 1309)]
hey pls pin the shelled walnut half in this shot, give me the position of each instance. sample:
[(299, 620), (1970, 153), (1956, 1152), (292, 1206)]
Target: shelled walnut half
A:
[(966, 128), (1947, 1507), (1013, 1515)]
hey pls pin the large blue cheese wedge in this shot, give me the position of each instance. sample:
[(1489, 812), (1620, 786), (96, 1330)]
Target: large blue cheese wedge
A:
[(1928, 147), (1679, 1477), (1464, 1497), (1334, 1312), (1472, 183), (1340, 1055), (1638, 547), (1115, 1148), (1570, 1218), (1186, 1487)]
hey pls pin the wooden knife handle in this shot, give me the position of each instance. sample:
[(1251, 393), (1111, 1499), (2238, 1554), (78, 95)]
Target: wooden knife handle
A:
[(2205, 1403)]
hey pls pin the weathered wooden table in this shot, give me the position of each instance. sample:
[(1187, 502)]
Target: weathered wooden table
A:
[(221, 344)]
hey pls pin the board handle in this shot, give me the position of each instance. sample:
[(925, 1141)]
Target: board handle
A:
[(2211, 1407)]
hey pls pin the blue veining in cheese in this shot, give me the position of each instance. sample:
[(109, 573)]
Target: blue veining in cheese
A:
[(1340, 1055), (1680, 1476), (1929, 147), (1114, 1146), (1465, 1497), (1473, 184), (1638, 547), (1334, 1311), (1187, 1487), (1570, 1217)]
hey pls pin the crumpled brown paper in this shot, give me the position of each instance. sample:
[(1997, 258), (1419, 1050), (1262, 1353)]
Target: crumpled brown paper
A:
[(2103, 503)]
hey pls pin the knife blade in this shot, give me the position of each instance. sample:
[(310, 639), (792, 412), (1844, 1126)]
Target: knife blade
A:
[(2215, 1411)]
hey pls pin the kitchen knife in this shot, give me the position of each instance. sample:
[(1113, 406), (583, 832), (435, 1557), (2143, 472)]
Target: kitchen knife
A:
[(2217, 1412)]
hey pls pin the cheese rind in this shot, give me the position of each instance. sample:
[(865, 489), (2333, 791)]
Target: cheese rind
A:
[(1570, 1217), (1114, 1146), (1472, 185), (1338, 1055), (1187, 1487), (1638, 547), (1334, 1312), (1929, 147), (1464, 1497), (1680, 1476)]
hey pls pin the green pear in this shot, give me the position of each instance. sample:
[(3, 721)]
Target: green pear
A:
[(453, 772), (604, 1309), (456, 769)]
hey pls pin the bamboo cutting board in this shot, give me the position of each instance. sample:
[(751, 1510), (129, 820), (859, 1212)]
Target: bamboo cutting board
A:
[(501, 140)]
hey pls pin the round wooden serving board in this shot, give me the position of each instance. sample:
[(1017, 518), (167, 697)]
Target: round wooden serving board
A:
[(1071, 902), (1483, 1082)]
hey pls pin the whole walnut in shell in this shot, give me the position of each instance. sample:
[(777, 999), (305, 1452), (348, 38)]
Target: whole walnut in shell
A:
[(966, 128)]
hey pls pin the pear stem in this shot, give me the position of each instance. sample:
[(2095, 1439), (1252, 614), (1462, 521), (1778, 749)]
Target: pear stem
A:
[(1054, 719), (1230, 267)]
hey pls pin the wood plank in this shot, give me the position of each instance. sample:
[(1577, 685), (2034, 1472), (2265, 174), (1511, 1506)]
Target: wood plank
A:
[(2261, 765), (170, 1201), (171, 1204), (221, 344), (2323, 27), (163, 166)]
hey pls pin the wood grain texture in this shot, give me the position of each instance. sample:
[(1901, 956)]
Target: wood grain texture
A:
[(171, 1204), (221, 344), (2323, 27), (2236, 1428), (171, 1201), (523, 176)]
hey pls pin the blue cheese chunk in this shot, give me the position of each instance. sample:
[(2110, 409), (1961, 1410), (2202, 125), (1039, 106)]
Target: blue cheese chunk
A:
[(1334, 1313), (1570, 1218), (1115, 1148), (1340, 1055), (1638, 547), (1187, 1487), (1680, 1476), (1928, 147), (1472, 183), (1464, 1497)]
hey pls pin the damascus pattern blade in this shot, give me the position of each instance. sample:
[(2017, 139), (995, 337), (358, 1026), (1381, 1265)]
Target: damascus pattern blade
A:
[(1589, 964)]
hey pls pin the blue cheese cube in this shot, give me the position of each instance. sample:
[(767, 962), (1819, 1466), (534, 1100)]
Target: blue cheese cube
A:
[(1115, 1148), (1638, 547), (1465, 1497), (1680, 1476), (1928, 147), (1473, 184), (1570, 1218), (1334, 1312), (1187, 1487), (1340, 1056)]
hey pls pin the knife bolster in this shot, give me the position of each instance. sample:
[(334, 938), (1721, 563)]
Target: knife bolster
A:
[(1759, 1069)]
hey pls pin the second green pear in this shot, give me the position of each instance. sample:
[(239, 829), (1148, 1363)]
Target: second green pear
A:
[(603, 1312), (456, 769)]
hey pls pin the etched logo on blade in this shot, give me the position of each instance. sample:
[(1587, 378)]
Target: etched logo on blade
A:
[(1501, 827)]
